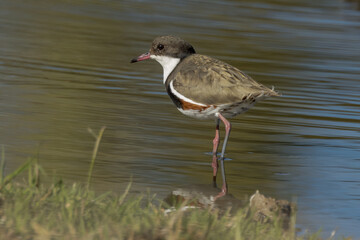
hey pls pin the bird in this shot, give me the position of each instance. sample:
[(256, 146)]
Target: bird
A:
[(203, 87)]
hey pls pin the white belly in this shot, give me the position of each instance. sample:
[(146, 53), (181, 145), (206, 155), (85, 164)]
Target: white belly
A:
[(227, 110)]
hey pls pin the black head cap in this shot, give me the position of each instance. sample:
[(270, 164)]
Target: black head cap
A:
[(171, 46)]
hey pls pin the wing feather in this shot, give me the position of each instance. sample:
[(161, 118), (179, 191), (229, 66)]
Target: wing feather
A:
[(209, 81)]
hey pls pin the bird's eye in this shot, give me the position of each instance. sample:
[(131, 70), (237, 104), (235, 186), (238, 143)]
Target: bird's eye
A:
[(160, 47)]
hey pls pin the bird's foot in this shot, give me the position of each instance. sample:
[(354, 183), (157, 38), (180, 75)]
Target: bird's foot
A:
[(222, 193)]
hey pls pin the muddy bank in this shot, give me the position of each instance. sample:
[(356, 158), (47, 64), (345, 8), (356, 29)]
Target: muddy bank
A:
[(260, 208)]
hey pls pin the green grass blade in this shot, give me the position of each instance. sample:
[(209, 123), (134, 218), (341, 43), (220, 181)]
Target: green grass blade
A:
[(2, 165), (95, 151), (19, 170)]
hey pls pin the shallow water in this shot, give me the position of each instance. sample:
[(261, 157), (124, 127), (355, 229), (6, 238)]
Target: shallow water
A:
[(65, 67)]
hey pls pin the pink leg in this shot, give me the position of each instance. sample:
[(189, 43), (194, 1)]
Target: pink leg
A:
[(216, 142), (227, 124)]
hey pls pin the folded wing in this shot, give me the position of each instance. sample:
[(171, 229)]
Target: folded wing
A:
[(209, 81)]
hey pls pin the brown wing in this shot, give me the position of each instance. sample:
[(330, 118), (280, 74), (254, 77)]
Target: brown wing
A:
[(210, 81)]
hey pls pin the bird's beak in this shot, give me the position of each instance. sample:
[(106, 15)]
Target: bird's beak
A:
[(142, 57)]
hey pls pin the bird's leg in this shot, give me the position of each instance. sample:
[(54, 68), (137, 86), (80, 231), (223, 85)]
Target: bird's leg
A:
[(216, 142), (227, 124)]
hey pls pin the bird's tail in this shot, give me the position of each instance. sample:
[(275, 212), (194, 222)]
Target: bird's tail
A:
[(272, 93)]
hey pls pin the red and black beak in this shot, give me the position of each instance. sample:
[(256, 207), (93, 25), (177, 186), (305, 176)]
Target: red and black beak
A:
[(142, 57)]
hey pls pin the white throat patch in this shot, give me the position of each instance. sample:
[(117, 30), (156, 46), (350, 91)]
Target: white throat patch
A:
[(168, 64)]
